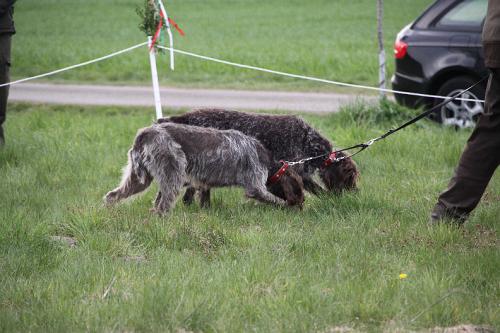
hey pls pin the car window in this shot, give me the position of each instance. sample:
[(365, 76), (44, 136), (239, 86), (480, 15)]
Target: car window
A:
[(467, 14)]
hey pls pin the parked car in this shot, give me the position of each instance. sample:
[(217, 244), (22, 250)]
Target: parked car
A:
[(440, 53)]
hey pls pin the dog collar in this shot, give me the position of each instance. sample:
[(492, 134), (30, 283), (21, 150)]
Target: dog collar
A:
[(331, 158), (274, 178)]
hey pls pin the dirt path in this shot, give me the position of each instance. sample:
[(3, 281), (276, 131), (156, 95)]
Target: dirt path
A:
[(181, 98)]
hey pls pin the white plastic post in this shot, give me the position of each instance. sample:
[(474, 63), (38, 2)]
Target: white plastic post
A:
[(381, 51), (154, 77), (169, 32)]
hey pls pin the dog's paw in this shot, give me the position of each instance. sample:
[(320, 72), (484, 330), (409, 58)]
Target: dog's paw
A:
[(159, 212), (281, 203)]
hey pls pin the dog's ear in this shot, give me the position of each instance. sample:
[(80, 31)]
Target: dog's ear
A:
[(276, 189), (293, 188), (341, 176), (350, 174)]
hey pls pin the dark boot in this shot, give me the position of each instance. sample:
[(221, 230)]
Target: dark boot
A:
[(440, 214), (477, 164)]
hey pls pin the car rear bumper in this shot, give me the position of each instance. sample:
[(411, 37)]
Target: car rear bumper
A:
[(403, 82)]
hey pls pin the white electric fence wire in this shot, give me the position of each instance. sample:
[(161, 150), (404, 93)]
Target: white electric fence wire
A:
[(75, 66), (310, 78)]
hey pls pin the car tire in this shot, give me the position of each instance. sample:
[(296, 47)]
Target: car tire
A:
[(457, 113)]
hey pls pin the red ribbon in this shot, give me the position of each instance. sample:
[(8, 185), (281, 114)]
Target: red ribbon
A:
[(331, 158), (176, 26), (160, 26), (274, 178), (157, 33)]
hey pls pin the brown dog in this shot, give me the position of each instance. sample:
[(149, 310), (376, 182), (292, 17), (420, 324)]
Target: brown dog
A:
[(286, 137)]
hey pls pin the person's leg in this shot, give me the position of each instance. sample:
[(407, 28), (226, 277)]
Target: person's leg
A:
[(477, 164), (5, 40)]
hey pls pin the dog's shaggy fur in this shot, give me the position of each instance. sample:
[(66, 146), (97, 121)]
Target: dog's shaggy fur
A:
[(175, 154), (286, 137)]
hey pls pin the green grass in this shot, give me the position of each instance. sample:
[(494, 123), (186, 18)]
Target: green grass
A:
[(239, 266), (328, 39)]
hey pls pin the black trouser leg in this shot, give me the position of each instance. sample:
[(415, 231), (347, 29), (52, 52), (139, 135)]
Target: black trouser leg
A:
[(478, 162), (5, 42)]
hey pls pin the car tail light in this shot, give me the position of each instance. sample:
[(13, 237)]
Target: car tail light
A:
[(400, 49)]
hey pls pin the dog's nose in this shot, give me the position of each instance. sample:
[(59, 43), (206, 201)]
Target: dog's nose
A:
[(296, 203)]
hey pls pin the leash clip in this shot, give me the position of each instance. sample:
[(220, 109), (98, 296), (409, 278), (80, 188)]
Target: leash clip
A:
[(369, 143), (293, 163)]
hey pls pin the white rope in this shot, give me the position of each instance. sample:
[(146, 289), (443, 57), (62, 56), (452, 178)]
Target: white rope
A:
[(75, 66), (310, 78)]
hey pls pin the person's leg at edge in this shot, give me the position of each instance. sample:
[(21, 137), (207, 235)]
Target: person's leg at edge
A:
[(5, 43), (477, 164)]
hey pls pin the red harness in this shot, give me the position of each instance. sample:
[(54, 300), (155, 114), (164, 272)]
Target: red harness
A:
[(274, 178), (331, 158)]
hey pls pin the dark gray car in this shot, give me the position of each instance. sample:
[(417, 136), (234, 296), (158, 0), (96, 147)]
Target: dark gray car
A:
[(440, 53)]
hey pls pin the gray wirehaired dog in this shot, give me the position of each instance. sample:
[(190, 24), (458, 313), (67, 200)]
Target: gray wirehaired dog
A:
[(175, 155), (286, 137)]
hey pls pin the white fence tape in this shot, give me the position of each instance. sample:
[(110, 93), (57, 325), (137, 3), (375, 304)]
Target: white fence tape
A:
[(310, 78), (297, 76), (75, 66), (169, 32)]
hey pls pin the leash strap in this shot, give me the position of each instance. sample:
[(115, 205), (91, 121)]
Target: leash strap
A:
[(428, 112), (362, 146)]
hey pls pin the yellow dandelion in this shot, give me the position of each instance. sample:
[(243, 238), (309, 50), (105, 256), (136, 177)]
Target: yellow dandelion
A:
[(403, 276)]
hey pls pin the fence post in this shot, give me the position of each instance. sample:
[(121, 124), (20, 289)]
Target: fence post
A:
[(381, 51), (154, 77), (169, 32)]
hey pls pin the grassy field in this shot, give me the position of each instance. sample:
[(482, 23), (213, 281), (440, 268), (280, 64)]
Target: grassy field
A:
[(239, 266), (329, 39)]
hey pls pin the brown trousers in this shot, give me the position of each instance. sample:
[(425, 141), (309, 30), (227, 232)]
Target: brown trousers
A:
[(479, 159), (5, 42)]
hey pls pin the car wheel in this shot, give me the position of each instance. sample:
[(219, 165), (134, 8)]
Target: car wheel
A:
[(461, 114)]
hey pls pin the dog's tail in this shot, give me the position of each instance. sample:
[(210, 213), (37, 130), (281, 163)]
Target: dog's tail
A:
[(138, 166)]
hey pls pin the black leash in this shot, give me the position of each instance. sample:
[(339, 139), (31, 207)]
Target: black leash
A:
[(332, 157), (428, 112)]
